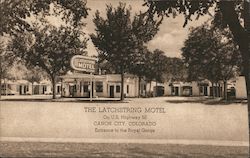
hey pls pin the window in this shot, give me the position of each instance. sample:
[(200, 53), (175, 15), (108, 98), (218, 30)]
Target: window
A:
[(118, 89), (127, 89), (99, 87), (86, 87)]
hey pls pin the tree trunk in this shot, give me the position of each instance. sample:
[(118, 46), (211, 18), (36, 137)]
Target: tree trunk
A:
[(156, 89), (241, 36), (32, 88), (150, 88), (122, 85), (1, 76), (213, 89), (216, 90), (0, 79), (246, 56), (225, 90), (62, 87), (5, 88), (139, 87), (53, 78)]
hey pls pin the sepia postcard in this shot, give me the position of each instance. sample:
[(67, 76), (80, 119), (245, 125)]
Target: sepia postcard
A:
[(124, 78)]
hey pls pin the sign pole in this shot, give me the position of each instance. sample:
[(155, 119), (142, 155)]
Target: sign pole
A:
[(91, 86), (85, 64)]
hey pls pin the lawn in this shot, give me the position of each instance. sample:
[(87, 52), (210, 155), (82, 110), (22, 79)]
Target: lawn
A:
[(88, 150), (220, 130)]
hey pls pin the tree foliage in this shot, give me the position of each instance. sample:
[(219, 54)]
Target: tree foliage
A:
[(233, 14), (13, 14), (49, 48), (188, 8), (211, 54), (119, 37), (176, 70), (14, 21)]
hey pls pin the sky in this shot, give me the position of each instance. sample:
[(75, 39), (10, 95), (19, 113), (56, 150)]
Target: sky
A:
[(170, 37), (171, 34)]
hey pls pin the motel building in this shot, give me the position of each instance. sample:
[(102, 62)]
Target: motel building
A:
[(202, 88), (96, 86), (109, 86), (236, 88), (85, 82), (24, 87)]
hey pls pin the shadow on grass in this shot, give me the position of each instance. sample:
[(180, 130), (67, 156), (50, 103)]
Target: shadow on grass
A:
[(209, 101)]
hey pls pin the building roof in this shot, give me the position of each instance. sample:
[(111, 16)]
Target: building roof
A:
[(80, 76)]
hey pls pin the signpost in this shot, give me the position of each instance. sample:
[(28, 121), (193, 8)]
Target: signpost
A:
[(85, 64)]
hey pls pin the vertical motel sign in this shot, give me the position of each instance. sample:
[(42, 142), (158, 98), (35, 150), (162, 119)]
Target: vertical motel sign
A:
[(84, 64)]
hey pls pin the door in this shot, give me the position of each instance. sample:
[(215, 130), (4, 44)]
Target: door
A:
[(44, 90), (111, 91), (205, 90), (71, 91), (176, 91), (20, 90)]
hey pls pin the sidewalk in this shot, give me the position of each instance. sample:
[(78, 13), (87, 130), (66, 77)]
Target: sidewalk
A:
[(48, 98)]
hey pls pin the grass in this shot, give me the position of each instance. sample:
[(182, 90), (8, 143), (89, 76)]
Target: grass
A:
[(208, 101), (90, 150)]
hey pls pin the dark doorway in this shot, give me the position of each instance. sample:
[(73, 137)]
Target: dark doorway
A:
[(44, 89), (71, 91), (92, 89), (176, 91), (205, 91), (20, 90), (111, 91), (160, 90)]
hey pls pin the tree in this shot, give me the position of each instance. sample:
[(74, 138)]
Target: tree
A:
[(233, 14), (151, 66), (160, 64), (141, 68), (211, 53), (14, 14), (119, 38), (6, 63), (49, 48), (176, 70), (35, 74)]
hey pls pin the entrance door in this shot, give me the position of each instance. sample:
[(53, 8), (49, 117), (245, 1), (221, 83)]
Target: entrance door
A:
[(176, 91), (20, 90), (71, 91), (205, 90), (111, 92)]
